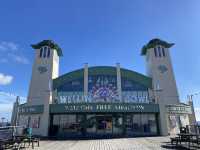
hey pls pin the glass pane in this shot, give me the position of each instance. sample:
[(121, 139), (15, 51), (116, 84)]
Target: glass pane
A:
[(41, 50), (44, 53), (56, 120), (155, 52), (137, 124), (129, 125), (91, 124), (152, 124), (117, 124), (48, 54), (163, 51), (159, 51), (104, 124), (144, 123)]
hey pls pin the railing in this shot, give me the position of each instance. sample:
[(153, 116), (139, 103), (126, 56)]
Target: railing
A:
[(10, 131), (195, 129)]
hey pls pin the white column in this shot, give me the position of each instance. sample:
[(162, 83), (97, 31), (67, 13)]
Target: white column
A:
[(119, 88), (86, 80)]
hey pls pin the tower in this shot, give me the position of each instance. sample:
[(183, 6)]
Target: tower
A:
[(45, 69), (159, 68)]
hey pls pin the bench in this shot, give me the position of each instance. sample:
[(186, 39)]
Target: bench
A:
[(196, 141), (34, 140), (175, 139), (10, 143)]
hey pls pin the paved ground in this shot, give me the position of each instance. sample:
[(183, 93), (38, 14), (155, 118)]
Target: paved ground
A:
[(145, 143)]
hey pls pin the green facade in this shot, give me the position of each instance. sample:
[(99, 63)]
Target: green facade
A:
[(104, 108), (34, 109), (105, 70)]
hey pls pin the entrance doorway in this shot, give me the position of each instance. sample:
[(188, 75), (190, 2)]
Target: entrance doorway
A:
[(104, 124), (101, 125)]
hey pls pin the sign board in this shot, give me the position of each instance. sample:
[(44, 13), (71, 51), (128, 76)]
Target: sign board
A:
[(179, 109), (103, 107), (34, 109)]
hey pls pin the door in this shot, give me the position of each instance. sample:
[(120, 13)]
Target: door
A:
[(104, 124)]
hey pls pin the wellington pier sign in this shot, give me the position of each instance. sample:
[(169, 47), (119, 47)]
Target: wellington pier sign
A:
[(103, 107)]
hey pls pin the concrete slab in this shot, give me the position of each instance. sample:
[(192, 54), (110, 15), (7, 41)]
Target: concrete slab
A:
[(144, 143)]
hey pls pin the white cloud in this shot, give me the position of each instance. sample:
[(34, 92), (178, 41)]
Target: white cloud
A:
[(6, 103), (5, 79), (8, 46), (6, 111), (7, 97), (6, 108), (197, 113), (19, 59), (11, 52), (3, 60)]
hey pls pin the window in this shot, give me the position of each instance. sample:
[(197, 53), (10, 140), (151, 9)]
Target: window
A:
[(41, 50), (45, 51), (152, 123), (159, 51), (144, 123), (91, 123), (118, 124), (48, 53), (35, 122), (137, 124), (155, 52), (157, 85), (163, 51), (29, 121)]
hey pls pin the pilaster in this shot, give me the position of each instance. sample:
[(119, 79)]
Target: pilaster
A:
[(119, 88)]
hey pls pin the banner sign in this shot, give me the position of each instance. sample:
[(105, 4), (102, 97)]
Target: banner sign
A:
[(34, 109), (103, 107), (179, 109)]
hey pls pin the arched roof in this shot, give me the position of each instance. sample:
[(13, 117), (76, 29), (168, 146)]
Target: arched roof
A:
[(103, 70)]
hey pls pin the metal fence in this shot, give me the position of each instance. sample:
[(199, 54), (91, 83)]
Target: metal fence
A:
[(10, 132), (193, 129)]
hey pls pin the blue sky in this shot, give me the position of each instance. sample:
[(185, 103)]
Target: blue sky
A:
[(100, 32)]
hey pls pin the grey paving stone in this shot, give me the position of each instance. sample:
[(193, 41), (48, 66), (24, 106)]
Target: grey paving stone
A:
[(145, 143)]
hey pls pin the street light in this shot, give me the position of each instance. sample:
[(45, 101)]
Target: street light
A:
[(191, 103), (3, 118), (190, 96)]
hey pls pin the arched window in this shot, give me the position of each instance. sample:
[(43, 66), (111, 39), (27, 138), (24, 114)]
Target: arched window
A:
[(155, 52), (41, 50), (45, 51), (48, 53), (159, 52), (163, 51)]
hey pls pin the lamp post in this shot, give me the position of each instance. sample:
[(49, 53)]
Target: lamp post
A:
[(190, 96), (2, 120), (191, 103)]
